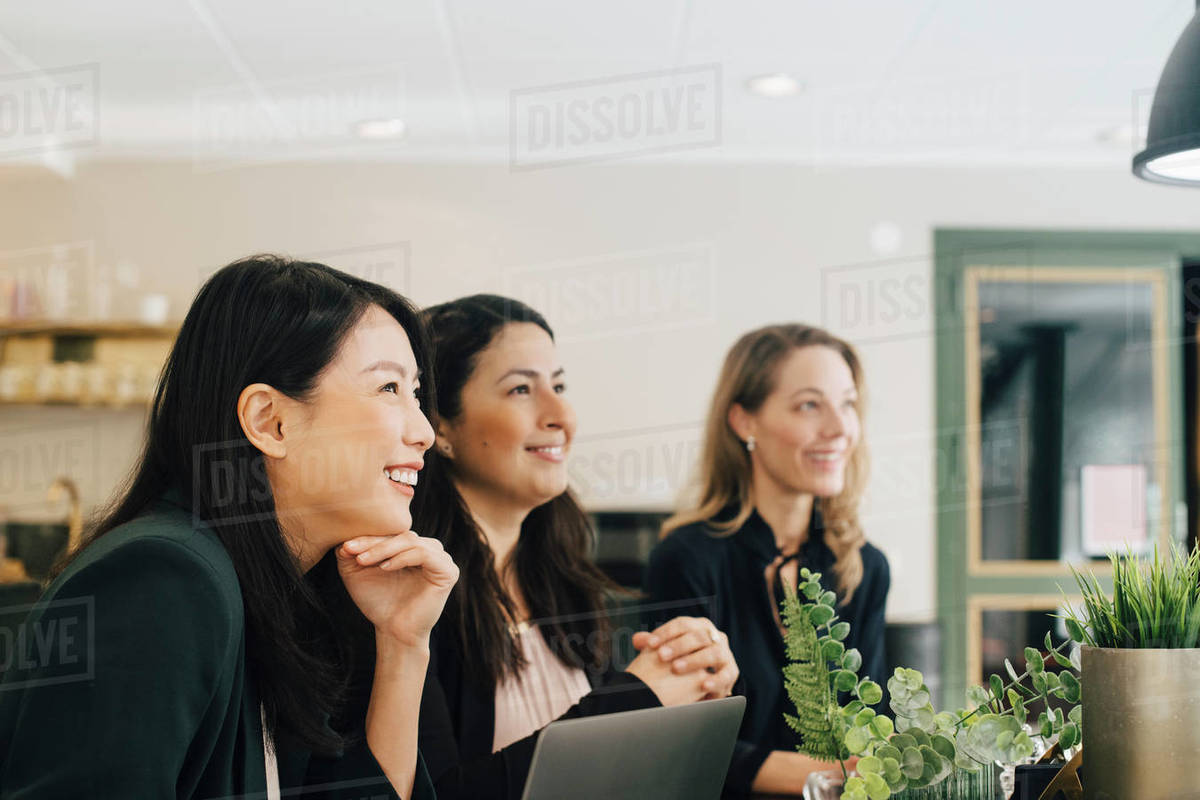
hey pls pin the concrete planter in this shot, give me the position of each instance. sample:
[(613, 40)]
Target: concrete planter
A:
[(1141, 724)]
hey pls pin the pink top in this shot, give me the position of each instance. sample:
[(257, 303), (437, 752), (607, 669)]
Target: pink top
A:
[(540, 694)]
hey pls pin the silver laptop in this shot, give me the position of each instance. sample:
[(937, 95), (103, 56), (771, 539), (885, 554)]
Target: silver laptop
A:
[(651, 754)]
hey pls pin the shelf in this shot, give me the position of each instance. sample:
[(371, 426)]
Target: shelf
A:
[(32, 327), (92, 404), (81, 364)]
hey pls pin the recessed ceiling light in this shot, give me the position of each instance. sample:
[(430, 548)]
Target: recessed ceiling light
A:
[(393, 128), (777, 84)]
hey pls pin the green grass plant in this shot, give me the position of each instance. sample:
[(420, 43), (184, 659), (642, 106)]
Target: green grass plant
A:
[(1154, 603)]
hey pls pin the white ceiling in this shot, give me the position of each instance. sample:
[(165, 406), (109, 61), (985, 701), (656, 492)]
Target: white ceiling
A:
[(1021, 81)]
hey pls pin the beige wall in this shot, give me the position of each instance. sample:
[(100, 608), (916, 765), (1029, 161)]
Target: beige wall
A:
[(648, 271)]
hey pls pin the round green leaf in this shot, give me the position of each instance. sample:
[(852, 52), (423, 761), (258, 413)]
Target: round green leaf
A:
[(852, 660), (911, 763), (1069, 736), (1033, 660), (840, 631), (844, 680), (870, 693), (882, 726), (997, 688), (943, 747), (1071, 688), (828, 599), (1075, 631), (944, 720), (869, 765), (977, 696), (877, 788), (857, 739), (819, 614), (832, 650), (811, 589), (888, 751)]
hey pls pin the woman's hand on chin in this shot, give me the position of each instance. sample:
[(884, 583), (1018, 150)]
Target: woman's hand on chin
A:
[(399, 582)]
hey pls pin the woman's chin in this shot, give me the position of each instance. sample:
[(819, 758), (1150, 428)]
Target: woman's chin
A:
[(824, 487), (387, 523), (544, 494)]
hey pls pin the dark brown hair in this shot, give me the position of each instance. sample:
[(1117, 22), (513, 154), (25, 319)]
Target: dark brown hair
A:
[(273, 320), (552, 560)]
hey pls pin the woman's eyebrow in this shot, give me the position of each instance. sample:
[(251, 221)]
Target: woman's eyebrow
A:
[(814, 390), (387, 365), (529, 373)]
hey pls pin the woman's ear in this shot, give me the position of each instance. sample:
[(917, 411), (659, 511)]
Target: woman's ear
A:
[(740, 421), (260, 411), (443, 442)]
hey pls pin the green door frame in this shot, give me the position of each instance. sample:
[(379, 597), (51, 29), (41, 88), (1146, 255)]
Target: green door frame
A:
[(960, 593)]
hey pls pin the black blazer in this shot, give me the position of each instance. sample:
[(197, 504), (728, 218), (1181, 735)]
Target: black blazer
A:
[(458, 723), (695, 572), (146, 691)]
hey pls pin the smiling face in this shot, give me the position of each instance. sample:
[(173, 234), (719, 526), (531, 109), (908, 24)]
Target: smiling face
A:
[(353, 451), (808, 426), (509, 444)]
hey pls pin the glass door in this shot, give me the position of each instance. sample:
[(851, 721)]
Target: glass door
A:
[(1058, 379)]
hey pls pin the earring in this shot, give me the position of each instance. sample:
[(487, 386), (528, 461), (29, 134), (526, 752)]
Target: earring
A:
[(749, 444), (447, 450)]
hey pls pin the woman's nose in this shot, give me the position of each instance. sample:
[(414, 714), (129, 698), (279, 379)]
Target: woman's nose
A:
[(557, 412), (835, 423), (418, 432)]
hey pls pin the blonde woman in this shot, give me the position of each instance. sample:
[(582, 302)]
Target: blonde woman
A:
[(782, 468)]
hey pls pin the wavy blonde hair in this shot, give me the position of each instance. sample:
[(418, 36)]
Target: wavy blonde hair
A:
[(748, 376)]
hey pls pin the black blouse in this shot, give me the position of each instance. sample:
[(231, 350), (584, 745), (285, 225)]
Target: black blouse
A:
[(696, 572)]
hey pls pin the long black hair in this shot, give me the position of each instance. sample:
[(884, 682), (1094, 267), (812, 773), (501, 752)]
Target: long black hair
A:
[(553, 563), (272, 320)]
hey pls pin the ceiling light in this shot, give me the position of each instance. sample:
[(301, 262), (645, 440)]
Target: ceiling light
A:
[(378, 129), (1172, 153), (777, 84)]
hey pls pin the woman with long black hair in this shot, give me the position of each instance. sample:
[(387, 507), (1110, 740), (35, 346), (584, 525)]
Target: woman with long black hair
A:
[(526, 637), (260, 554)]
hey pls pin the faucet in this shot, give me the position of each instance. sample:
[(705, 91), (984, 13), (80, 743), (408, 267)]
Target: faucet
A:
[(64, 485)]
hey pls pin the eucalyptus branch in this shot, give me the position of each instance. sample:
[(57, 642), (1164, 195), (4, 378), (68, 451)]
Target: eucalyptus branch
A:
[(1014, 683)]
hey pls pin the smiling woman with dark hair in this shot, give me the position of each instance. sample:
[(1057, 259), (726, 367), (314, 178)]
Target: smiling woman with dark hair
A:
[(284, 440), (525, 639)]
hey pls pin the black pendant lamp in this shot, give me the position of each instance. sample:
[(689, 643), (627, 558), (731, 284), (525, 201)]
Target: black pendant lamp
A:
[(1172, 153)]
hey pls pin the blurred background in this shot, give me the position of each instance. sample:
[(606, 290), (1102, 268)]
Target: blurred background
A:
[(947, 186)]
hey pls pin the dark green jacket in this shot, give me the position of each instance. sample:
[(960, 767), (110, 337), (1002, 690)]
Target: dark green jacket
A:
[(129, 680)]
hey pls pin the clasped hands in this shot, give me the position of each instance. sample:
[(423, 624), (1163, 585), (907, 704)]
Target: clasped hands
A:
[(684, 660)]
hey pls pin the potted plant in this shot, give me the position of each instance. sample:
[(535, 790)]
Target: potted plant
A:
[(925, 753), (1141, 668)]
